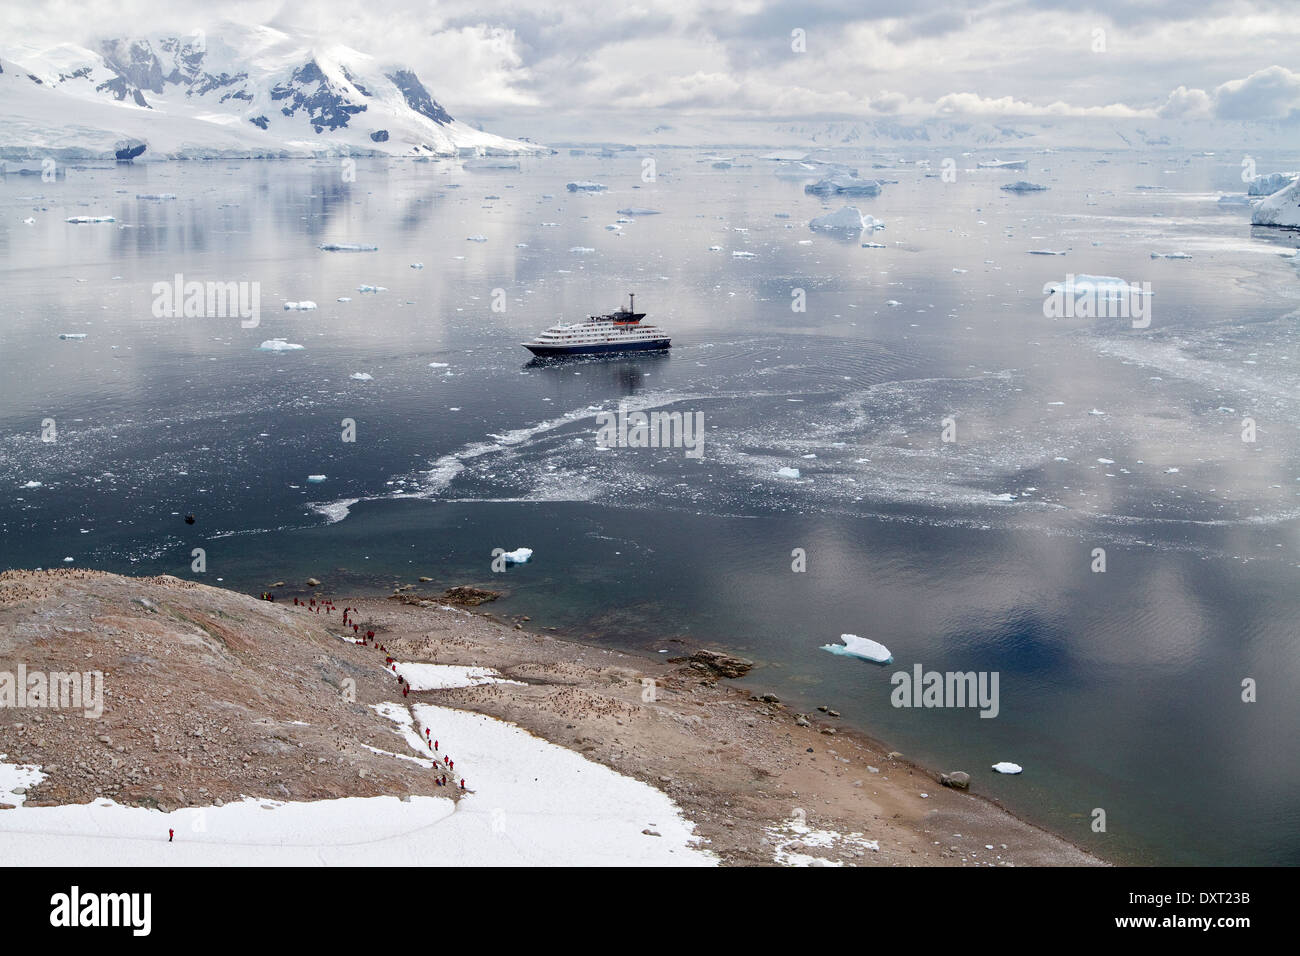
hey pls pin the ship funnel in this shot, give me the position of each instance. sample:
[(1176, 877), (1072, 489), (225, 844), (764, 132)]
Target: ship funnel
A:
[(631, 302)]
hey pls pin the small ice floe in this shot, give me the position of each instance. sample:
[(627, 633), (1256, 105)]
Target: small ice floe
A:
[(741, 254), (845, 221), (1006, 766), (1022, 186), (476, 238), (315, 479), (873, 245), (417, 265), (584, 186), (892, 302), (156, 197), (715, 248), (1171, 471), (363, 289), (581, 250), (1170, 255), (279, 345), (68, 560), (1047, 252), (344, 298), (347, 247), (29, 221), (85, 219), (1005, 496), (1096, 411), (34, 484), (1105, 461), (958, 271), (306, 305), (73, 336), (362, 376), (438, 365), (613, 227), (788, 472), (518, 556), (863, 647), (637, 211)]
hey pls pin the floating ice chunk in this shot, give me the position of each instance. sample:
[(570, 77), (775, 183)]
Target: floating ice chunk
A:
[(156, 197), (72, 335), (278, 345), (584, 186), (1006, 766), (1282, 208), (613, 227), (863, 647), (847, 220), (842, 184), (438, 365), (1096, 411), (347, 247), (1170, 255), (85, 219), (1171, 471), (34, 484), (873, 245), (69, 560), (1022, 186), (892, 302), (1005, 164), (306, 305), (316, 479), (1105, 461), (417, 265), (1005, 496), (1269, 184), (344, 298), (788, 472), (637, 211), (581, 250), (476, 238), (371, 288), (362, 376), (28, 221), (715, 248), (518, 556), (1047, 252), (741, 254)]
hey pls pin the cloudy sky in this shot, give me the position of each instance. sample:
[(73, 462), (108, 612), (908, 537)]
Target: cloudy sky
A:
[(908, 59)]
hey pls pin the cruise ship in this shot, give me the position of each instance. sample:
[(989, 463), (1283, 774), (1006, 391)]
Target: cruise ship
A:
[(619, 331)]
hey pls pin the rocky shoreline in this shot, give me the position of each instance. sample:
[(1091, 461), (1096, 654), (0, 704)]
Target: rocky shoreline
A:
[(211, 694)]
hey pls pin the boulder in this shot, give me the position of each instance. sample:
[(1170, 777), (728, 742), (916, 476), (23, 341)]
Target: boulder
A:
[(724, 665), (958, 780)]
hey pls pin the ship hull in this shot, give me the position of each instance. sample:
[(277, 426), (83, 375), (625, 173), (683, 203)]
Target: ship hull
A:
[(597, 348)]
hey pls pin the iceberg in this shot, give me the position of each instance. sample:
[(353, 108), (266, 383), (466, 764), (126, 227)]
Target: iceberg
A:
[(1021, 186), (306, 305), (278, 345), (863, 647), (847, 221), (1268, 185), (842, 185), (584, 186), (1282, 208), (1006, 766), (347, 247), (518, 556)]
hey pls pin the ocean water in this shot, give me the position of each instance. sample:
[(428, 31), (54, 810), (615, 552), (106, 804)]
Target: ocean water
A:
[(1119, 690)]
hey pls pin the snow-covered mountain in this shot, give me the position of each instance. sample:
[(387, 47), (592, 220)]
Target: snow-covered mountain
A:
[(253, 91)]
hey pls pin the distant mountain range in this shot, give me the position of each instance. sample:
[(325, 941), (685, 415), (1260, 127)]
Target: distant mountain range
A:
[(252, 92)]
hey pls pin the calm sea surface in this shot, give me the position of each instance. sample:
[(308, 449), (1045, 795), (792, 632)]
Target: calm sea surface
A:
[(1119, 690)]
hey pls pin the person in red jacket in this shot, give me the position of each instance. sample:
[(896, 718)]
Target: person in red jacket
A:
[(170, 835)]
